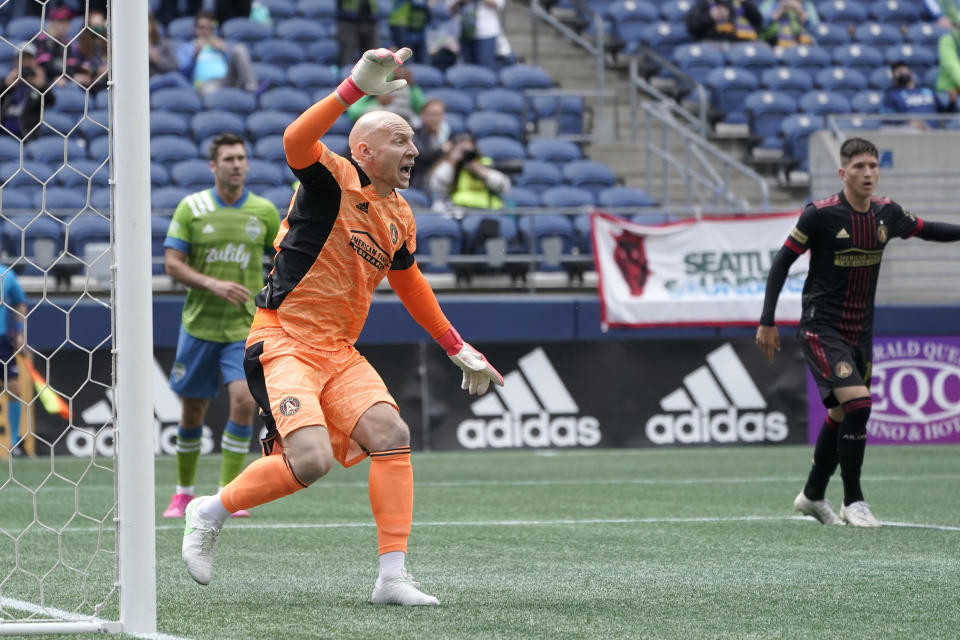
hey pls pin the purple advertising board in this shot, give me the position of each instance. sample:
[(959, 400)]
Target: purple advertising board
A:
[(915, 385)]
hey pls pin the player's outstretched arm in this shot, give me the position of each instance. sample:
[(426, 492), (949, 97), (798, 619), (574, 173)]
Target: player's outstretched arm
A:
[(938, 231), (768, 338), (420, 302)]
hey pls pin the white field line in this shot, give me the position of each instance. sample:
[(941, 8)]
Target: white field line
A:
[(59, 615)]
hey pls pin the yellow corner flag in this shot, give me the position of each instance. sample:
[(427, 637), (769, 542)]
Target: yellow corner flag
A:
[(50, 399)]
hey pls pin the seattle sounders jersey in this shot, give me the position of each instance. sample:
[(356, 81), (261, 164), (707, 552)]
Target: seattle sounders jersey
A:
[(227, 243)]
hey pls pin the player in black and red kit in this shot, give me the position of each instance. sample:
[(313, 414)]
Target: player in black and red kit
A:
[(846, 234)]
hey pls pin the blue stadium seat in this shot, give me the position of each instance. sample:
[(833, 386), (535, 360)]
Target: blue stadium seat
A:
[(624, 197), (317, 9), (663, 37), (804, 58), (584, 229), (861, 57), (567, 197), (39, 237), (56, 150), (491, 123), (842, 12), (270, 148), (280, 9), (881, 78), (522, 197), (457, 102), (521, 77), (230, 99), (94, 124), (930, 78), (177, 100), (98, 149), (22, 29), (755, 57), (268, 123), (878, 35), (245, 30), (846, 82), (456, 122), (507, 154), (867, 102), (271, 75), (765, 113), (9, 149), (102, 100), (311, 77), (341, 126), (832, 35), (168, 123), (324, 51), (698, 59), (471, 78), (926, 34), (100, 200), (796, 134), (12, 200), (730, 86), (207, 124), (553, 237), (29, 177), (339, 144), (79, 173), (302, 31), (437, 238), (894, 12), (823, 102), (285, 99), (158, 233), (280, 52), (509, 101), (538, 176), (58, 122), (70, 99), (676, 10), (629, 18), (280, 197), (159, 176), (920, 58), (180, 28), (426, 76), (167, 198), (169, 80), (171, 149), (558, 152), (85, 229), (192, 175), (589, 175), (415, 198), (264, 175), (472, 221), (786, 80)]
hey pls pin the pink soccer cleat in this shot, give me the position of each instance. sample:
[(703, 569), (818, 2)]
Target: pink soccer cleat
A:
[(178, 505), (243, 513)]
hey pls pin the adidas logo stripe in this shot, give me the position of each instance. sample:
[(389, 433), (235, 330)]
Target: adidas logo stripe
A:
[(521, 398), (707, 394), (363, 206)]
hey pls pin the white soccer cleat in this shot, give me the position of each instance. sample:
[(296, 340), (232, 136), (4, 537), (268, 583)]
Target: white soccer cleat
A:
[(199, 542), (858, 514), (401, 590), (822, 510)]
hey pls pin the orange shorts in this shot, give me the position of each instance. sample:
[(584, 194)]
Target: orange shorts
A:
[(296, 386)]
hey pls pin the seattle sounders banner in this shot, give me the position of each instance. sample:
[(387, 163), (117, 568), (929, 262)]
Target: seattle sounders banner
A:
[(696, 272)]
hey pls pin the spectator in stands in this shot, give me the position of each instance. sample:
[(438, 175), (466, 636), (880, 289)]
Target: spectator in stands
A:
[(52, 43), (406, 102), (13, 312), (479, 29), (789, 22), (356, 29), (408, 27), (162, 56), (22, 99), (433, 141), (210, 63), (904, 96), (88, 62), (464, 178), (724, 20), (168, 9)]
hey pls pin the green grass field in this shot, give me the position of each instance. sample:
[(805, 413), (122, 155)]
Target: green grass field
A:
[(673, 543)]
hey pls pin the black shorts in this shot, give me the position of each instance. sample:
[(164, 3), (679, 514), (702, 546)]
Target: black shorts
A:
[(835, 362)]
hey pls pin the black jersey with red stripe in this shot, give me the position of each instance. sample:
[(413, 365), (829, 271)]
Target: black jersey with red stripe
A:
[(846, 247)]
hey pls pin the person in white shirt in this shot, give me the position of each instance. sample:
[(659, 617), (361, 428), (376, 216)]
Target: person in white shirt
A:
[(479, 29)]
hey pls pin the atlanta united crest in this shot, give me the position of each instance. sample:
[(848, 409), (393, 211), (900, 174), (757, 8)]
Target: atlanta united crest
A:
[(882, 233), (394, 233), (289, 406), (844, 369)]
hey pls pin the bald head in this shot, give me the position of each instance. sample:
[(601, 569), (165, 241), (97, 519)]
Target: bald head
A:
[(381, 143), (372, 128)]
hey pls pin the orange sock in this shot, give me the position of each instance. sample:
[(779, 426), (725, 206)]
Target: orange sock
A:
[(264, 480), (391, 497)]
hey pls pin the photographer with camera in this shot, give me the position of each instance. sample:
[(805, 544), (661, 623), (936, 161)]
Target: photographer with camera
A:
[(734, 20), (22, 99), (464, 178), (904, 96)]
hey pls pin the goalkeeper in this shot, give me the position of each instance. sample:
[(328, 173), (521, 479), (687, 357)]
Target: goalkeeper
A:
[(321, 400)]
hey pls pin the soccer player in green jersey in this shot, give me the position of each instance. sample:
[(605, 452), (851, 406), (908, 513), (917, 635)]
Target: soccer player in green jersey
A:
[(214, 246)]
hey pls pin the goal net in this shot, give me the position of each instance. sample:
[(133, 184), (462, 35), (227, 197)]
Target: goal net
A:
[(76, 487)]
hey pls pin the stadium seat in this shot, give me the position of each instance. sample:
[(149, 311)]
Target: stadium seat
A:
[(191, 174), (698, 59), (663, 37), (491, 123), (94, 125), (676, 10), (80, 173), (788, 81), (491, 234), (522, 197), (9, 149), (12, 200), (842, 12), (70, 99), (457, 102), (755, 57), (311, 77), (180, 28), (98, 149), (280, 52), (269, 74), (264, 175), (23, 28), (730, 86), (324, 51), (804, 58), (470, 78), (558, 152), (39, 237), (830, 35), (230, 99), (270, 148), (926, 34), (280, 9), (456, 122), (178, 100), (85, 229), (553, 237), (168, 123), (212, 123), (629, 17), (302, 31), (58, 123), (566, 197), (863, 58), (765, 113), (522, 77), (339, 144), (437, 238), (538, 176), (796, 134), (846, 82), (589, 175), (823, 103), (245, 30), (507, 154), (280, 197), (159, 224), (169, 80), (881, 79), (867, 102), (29, 177), (317, 9), (56, 150), (159, 176), (268, 123), (509, 101), (425, 76), (341, 126), (167, 198), (584, 230), (878, 35), (415, 198), (894, 12), (285, 99), (171, 149), (624, 197), (920, 58)]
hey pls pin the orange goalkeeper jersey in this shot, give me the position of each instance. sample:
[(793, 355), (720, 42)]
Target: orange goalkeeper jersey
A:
[(336, 244)]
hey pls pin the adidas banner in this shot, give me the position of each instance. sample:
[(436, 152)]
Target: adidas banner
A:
[(710, 272)]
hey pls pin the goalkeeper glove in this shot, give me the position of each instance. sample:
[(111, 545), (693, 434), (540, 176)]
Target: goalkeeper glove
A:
[(477, 372), (369, 75)]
